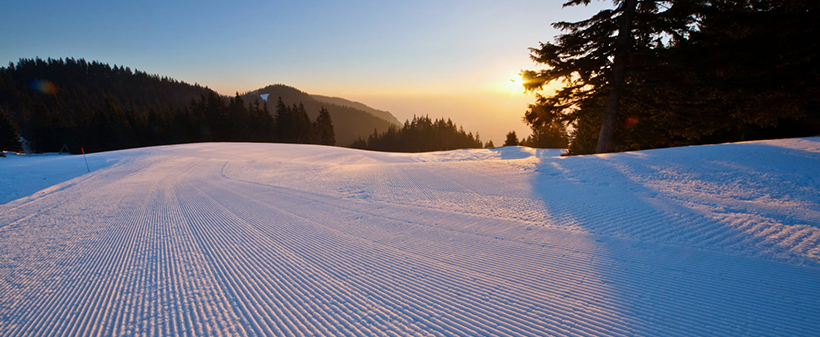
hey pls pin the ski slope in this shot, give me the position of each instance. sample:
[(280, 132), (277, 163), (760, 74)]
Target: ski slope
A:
[(271, 239)]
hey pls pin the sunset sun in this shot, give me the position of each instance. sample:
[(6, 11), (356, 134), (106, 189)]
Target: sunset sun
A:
[(516, 84)]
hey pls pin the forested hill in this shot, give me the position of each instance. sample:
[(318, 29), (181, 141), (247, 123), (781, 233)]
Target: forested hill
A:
[(58, 103), (386, 115), (77, 103), (349, 122), (76, 84), (74, 103)]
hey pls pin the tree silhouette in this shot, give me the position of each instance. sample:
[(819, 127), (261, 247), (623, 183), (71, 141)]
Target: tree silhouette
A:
[(9, 138), (324, 128), (512, 139), (419, 135), (658, 73)]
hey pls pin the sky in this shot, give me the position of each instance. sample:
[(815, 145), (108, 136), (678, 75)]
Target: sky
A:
[(455, 59)]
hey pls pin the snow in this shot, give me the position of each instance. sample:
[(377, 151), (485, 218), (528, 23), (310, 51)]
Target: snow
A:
[(274, 239), (22, 175)]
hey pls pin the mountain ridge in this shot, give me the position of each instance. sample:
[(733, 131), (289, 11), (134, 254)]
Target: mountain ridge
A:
[(386, 115), (350, 123)]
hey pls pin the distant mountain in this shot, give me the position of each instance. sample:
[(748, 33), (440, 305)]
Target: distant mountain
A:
[(356, 105), (351, 120)]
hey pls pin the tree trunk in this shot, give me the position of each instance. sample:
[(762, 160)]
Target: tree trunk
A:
[(622, 48)]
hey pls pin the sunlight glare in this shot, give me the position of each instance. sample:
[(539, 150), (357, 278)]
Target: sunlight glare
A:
[(517, 85)]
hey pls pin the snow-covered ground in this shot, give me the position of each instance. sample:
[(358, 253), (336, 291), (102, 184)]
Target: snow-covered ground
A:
[(21, 175), (271, 239)]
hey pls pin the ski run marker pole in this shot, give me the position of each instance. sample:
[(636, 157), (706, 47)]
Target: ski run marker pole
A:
[(86, 160)]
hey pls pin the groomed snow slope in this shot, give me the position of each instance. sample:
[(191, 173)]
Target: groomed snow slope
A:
[(264, 239)]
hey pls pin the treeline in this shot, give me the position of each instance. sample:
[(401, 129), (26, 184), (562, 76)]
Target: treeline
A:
[(69, 84), (681, 72), (76, 104), (293, 125), (420, 135), (554, 137)]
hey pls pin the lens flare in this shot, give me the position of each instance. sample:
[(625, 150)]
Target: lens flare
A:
[(44, 86), (631, 122)]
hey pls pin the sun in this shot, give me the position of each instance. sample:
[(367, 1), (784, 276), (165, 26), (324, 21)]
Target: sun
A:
[(507, 81), (517, 85)]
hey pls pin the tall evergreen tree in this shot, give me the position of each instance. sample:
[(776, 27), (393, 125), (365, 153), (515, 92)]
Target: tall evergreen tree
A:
[(9, 138), (302, 126), (324, 128), (750, 71), (593, 58), (512, 139), (692, 72), (552, 136), (239, 118), (268, 128), (284, 122), (216, 116), (623, 47)]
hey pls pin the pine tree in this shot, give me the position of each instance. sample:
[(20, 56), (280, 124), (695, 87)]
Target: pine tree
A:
[(302, 126), (594, 59), (9, 137), (623, 47), (217, 118), (238, 127), (284, 122), (694, 72), (553, 136), (267, 124), (512, 139), (751, 71), (324, 128)]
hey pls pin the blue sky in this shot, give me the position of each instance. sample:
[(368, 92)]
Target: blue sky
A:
[(442, 58)]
